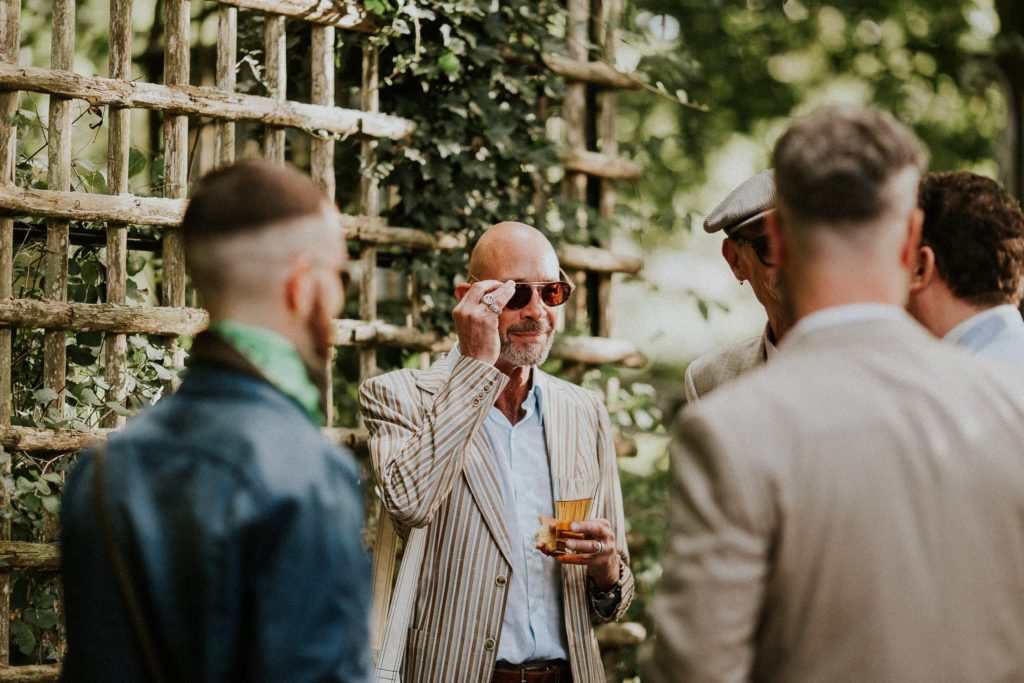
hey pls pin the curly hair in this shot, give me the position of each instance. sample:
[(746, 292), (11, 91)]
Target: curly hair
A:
[(976, 230)]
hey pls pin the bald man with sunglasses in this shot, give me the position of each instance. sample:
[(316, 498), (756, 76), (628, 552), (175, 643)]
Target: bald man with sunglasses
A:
[(741, 216), (475, 450)]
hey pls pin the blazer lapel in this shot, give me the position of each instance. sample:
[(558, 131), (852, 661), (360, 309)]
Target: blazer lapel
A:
[(478, 469), (561, 433), (482, 479)]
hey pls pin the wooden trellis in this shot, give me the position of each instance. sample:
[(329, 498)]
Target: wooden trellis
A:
[(589, 157)]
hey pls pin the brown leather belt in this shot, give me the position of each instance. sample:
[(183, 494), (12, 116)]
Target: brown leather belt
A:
[(539, 671)]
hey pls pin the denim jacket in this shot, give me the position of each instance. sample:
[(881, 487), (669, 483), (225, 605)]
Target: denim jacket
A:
[(241, 528)]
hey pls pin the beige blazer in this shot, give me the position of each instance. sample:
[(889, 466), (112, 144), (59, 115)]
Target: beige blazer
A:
[(432, 463), (852, 511), (719, 366)]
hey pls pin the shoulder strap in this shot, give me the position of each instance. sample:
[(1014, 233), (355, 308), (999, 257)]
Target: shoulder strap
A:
[(129, 594)]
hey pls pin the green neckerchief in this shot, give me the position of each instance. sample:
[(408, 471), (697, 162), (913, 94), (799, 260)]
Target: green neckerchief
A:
[(277, 359)]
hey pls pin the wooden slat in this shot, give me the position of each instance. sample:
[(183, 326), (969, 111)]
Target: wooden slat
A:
[(115, 346), (175, 131), (321, 160), (276, 78), (227, 56), (49, 442), (343, 14), (599, 74), (601, 165), (322, 94), (596, 259), (17, 555), (86, 206), (369, 205), (167, 213), (574, 111), (10, 12), (54, 441), (204, 101), (55, 287), (120, 318), (116, 318), (34, 673), (609, 146)]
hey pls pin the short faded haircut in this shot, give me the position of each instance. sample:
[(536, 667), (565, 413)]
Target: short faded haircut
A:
[(249, 195), (976, 230), (235, 214), (834, 166)]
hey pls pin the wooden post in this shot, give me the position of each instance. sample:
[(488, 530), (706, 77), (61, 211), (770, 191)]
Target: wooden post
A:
[(416, 314), (227, 56), (574, 110), (609, 146), (175, 130), (274, 42), (322, 158), (62, 54), (369, 205), (10, 12), (115, 346)]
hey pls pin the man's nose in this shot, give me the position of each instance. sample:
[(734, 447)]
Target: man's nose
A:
[(535, 309)]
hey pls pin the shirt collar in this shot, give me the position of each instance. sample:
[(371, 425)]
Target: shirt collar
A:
[(846, 314), (956, 335), (277, 359)]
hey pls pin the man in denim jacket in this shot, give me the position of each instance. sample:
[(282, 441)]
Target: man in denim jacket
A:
[(234, 548)]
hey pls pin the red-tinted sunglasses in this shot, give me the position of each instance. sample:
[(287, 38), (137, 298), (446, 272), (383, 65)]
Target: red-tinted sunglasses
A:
[(551, 293)]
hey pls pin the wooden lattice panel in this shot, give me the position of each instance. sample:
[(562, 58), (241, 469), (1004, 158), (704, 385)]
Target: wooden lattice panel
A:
[(177, 101)]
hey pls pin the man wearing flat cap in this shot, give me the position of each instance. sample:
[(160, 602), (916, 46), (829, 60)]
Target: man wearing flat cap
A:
[(741, 216)]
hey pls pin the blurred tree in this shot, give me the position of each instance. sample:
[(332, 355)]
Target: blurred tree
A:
[(755, 63)]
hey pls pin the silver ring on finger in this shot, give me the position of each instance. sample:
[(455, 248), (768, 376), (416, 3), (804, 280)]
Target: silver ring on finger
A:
[(488, 299), (600, 548), (495, 308)]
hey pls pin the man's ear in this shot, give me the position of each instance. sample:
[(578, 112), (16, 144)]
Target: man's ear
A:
[(912, 240), (924, 270), (298, 287), (460, 290), (777, 246), (731, 254)]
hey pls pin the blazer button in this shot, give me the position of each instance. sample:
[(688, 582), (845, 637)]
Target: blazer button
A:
[(476, 402), (489, 644), (501, 580)]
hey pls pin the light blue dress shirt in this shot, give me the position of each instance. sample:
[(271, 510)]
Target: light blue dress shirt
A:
[(996, 333), (534, 625)]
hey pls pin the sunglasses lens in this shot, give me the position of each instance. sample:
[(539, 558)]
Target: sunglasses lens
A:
[(522, 297), (555, 294)]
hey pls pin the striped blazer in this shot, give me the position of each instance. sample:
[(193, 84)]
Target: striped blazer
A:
[(431, 458)]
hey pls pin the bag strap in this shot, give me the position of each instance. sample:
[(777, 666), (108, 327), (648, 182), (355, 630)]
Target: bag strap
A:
[(129, 593), (392, 614)]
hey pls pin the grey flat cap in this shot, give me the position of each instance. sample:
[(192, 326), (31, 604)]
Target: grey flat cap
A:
[(754, 197)]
